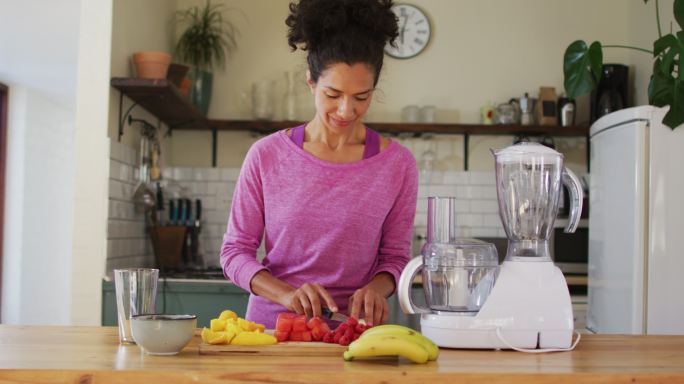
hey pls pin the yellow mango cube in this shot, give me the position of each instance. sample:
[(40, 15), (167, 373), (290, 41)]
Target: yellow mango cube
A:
[(230, 327), (254, 338), (228, 314), (218, 338), (217, 325)]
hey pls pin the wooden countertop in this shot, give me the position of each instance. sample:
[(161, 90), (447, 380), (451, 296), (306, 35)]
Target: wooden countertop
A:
[(92, 354)]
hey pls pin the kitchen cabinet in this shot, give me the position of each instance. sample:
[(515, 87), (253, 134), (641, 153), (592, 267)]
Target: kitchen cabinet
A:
[(162, 99), (204, 298), (207, 298)]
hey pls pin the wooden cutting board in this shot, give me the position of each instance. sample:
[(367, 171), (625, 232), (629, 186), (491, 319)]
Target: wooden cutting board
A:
[(288, 348)]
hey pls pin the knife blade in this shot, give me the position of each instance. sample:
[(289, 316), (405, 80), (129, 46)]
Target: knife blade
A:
[(334, 316)]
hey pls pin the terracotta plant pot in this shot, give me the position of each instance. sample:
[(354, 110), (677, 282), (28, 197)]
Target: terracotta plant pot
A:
[(151, 65)]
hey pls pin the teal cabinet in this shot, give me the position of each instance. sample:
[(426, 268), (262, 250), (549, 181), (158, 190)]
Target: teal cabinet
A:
[(208, 299), (204, 299)]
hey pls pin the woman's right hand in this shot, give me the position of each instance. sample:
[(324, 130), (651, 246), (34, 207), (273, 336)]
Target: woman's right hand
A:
[(308, 300)]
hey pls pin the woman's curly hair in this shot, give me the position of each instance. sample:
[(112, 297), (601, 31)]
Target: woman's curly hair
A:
[(341, 31)]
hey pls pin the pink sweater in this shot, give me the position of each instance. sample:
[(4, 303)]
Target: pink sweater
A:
[(335, 224)]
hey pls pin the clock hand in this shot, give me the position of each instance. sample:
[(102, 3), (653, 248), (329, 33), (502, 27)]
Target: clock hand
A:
[(403, 28)]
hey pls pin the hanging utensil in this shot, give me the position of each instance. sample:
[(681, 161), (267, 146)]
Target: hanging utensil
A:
[(143, 197)]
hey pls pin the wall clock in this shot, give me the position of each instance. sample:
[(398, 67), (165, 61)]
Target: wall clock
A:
[(414, 32)]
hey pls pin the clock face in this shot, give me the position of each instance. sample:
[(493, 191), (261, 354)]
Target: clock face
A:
[(414, 32)]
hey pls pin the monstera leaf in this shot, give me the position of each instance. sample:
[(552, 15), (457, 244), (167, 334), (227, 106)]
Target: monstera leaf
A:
[(582, 67)]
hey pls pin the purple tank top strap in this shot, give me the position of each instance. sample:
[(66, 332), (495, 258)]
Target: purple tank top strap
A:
[(372, 146), (297, 136)]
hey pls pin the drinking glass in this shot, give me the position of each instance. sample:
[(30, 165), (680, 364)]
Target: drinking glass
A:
[(136, 292)]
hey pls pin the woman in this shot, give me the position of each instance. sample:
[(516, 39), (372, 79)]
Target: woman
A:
[(333, 201)]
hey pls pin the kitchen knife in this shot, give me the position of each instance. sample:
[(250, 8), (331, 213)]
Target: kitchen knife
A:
[(172, 212), (334, 316)]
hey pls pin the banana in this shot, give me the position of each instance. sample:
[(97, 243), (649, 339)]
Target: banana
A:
[(387, 345), (394, 329)]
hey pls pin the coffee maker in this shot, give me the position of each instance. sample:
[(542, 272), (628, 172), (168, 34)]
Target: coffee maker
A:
[(612, 92), (522, 304)]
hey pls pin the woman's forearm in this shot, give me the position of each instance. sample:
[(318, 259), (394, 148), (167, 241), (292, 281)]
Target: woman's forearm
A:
[(266, 285), (382, 283)]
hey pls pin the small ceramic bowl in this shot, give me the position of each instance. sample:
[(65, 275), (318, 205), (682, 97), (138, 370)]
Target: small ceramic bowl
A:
[(163, 334)]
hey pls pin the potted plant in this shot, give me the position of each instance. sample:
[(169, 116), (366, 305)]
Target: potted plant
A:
[(207, 39), (582, 67)]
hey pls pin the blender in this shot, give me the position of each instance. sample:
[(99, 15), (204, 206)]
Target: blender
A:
[(523, 304)]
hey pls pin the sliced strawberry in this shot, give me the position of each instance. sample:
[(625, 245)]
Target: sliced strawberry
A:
[(314, 322), (344, 340), (299, 324), (337, 337), (282, 336), (349, 333), (342, 328), (352, 321), (284, 321), (317, 334), (328, 337), (359, 328), (324, 327), (296, 336)]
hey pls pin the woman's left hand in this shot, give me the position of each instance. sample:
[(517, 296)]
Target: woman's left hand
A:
[(373, 303)]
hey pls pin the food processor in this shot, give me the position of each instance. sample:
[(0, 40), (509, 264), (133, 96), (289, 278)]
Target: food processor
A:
[(522, 304)]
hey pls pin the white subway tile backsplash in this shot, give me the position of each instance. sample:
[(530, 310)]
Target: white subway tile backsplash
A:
[(484, 206), (444, 148), (484, 232), (441, 190), (470, 220), (121, 172), (229, 174), (213, 188), (489, 192), (120, 190), (482, 178), (453, 177), (183, 174), (491, 220), (198, 188), (430, 177)]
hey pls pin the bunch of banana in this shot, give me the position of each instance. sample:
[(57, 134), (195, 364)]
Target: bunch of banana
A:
[(393, 340)]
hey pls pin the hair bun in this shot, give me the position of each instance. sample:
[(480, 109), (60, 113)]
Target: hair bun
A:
[(313, 22)]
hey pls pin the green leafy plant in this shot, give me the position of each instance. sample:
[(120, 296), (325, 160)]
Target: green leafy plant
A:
[(208, 37), (582, 67)]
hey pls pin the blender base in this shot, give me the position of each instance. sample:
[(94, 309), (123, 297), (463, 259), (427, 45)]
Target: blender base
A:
[(529, 307), (461, 334)]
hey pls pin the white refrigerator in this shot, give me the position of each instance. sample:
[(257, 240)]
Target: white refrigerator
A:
[(636, 224)]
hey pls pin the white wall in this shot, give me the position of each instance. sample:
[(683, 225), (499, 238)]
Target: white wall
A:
[(481, 51), (40, 168), (57, 127), (91, 161)]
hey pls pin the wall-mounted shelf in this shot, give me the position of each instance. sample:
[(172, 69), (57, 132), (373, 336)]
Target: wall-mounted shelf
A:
[(265, 127), (162, 99), (416, 129)]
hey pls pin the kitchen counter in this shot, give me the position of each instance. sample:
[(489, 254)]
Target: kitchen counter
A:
[(92, 354)]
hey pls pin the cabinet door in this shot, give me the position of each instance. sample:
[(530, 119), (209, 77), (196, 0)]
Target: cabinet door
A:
[(206, 300)]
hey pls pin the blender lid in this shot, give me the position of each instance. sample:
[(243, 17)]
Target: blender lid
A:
[(526, 151)]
